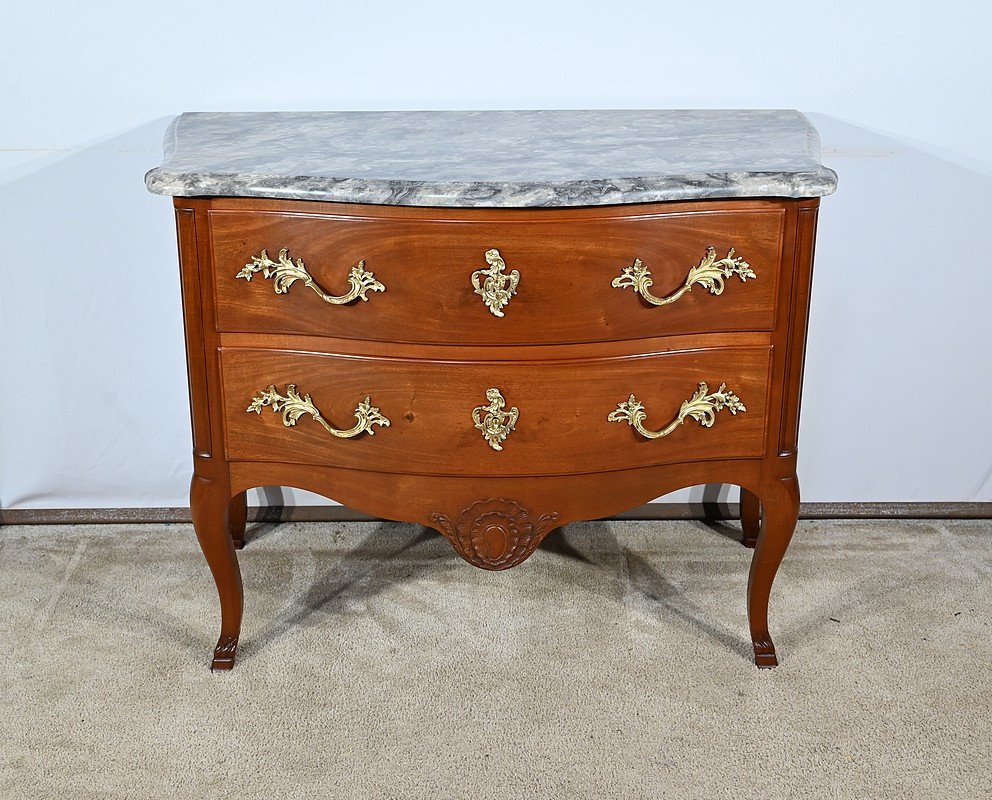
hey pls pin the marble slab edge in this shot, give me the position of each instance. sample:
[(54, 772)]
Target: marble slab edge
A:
[(539, 194)]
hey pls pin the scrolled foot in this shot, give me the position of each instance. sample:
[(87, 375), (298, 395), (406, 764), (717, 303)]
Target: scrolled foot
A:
[(210, 507), (764, 654), (224, 653), (780, 510)]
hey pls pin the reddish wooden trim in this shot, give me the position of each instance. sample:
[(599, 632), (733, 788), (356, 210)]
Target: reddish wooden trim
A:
[(196, 362), (799, 323), (474, 354)]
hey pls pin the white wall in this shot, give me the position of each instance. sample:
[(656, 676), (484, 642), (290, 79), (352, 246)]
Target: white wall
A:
[(899, 376)]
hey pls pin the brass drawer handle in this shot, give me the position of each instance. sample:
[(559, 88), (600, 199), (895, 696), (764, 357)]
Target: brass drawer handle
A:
[(710, 274), (497, 289), (495, 423), (702, 407), (285, 273), (292, 407)]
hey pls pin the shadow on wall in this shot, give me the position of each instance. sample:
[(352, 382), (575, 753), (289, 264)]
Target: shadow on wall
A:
[(94, 366), (899, 327)]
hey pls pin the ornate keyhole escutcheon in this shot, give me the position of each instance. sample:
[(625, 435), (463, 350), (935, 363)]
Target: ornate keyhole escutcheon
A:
[(495, 422), (492, 285)]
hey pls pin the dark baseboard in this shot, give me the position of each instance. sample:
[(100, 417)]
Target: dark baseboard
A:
[(659, 511)]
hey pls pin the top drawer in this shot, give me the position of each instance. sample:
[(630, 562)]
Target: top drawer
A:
[(553, 276)]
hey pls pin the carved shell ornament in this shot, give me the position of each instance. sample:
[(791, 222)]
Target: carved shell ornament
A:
[(495, 534)]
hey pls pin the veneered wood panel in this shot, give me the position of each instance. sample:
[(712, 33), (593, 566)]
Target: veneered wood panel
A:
[(566, 261), (562, 426)]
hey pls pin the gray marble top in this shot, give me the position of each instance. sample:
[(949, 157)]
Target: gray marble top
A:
[(493, 158)]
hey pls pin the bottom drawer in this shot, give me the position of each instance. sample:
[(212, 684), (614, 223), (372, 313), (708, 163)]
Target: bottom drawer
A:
[(495, 418)]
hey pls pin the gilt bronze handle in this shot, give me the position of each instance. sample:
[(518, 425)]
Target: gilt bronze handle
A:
[(709, 273), (285, 272), (701, 407), (293, 406)]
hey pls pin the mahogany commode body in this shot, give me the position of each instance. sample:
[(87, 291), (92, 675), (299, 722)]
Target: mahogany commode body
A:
[(277, 372)]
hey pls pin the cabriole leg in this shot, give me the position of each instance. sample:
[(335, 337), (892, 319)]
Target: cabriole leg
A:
[(750, 517), (210, 502), (780, 504)]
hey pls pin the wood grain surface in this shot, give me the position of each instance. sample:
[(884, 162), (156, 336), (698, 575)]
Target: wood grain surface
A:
[(569, 349), (566, 261), (563, 407)]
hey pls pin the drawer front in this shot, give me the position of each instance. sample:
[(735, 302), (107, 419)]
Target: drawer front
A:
[(444, 419), (566, 267)]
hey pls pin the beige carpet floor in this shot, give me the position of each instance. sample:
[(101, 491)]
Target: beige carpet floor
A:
[(614, 664)]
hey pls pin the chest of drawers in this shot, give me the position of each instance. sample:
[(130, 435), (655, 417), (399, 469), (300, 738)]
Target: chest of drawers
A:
[(498, 356)]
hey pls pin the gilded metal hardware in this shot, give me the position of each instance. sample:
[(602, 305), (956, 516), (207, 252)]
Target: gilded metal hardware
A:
[(701, 407), (285, 272), (292, 407), (710, 274), (495, 423), (497, 289)]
